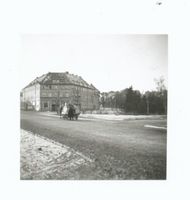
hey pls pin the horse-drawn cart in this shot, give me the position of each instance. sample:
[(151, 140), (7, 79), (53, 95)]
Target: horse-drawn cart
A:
[(71, 113), (66, 116)]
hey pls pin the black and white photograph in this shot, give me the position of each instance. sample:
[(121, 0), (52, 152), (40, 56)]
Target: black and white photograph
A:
[(93, 107), (94, 99)]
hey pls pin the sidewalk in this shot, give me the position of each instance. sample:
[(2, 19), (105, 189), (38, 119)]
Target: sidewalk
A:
[(120, 117), (43, 159), (109, 116)]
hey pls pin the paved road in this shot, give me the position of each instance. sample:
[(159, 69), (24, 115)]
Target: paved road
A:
[(120, 149)]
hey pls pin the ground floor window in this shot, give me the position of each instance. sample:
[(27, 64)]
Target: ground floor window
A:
[(45, 105)]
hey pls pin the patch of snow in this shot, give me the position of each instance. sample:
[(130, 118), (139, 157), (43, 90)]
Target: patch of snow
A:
[(42, 158), (156, 127), (118, 117)]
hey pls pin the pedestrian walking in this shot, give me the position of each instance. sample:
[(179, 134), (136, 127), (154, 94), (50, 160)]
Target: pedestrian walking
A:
[(65, 110), (60, 110)]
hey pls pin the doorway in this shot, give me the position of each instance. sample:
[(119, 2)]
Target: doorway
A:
[(53, 107)]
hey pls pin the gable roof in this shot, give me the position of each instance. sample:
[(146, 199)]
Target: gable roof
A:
[(55, 78)]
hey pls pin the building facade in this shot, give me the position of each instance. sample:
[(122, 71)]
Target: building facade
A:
[(49, 91)]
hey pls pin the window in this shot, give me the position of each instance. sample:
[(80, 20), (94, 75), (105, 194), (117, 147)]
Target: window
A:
[(54, 94), (55, 81), (45, 105), (44, 94), (54, 87), (45, 87)]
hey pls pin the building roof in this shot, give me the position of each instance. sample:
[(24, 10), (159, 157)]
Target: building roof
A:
[(62, 78)]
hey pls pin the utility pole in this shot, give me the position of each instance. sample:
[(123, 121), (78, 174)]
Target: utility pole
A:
[(58, 100), (35, 96), (147, 103), (147, 106)]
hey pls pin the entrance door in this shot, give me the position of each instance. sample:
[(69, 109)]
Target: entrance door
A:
[(53, 107)]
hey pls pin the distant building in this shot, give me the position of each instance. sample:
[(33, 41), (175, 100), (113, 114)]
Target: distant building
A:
[(49, 91)]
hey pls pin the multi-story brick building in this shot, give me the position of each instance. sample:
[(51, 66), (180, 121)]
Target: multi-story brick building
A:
[(50, 90)]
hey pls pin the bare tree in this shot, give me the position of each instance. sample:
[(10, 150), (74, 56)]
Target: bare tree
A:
[(160, 85), (161, 88)]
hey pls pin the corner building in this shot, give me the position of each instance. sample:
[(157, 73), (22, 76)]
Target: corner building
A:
[(49, 91)]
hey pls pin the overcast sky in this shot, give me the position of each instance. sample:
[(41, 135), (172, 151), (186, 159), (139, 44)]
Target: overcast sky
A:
[(109, 62)]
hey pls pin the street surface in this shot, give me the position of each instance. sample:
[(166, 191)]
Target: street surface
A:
[(120, 149)]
